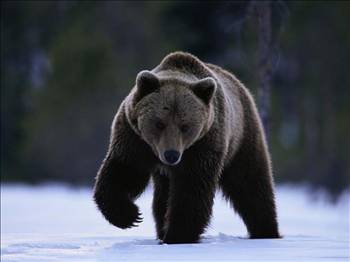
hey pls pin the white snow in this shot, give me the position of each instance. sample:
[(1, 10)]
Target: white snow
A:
[(58, 223)]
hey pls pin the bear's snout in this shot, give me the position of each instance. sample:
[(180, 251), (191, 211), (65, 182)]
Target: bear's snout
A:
[(172, 156)]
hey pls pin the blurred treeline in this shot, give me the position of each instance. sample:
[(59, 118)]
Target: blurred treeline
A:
[(66, 66)]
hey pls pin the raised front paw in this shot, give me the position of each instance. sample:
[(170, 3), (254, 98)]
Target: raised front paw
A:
[(125, 216)]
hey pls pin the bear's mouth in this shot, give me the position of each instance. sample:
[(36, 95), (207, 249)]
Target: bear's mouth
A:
[(170, 164)]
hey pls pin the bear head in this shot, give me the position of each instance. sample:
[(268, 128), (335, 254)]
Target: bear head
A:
[(171, 113)]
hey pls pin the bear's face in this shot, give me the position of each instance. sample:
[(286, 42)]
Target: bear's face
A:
[(171, 115)]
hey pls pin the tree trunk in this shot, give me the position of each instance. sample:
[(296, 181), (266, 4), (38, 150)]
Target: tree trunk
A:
[(262, 11)]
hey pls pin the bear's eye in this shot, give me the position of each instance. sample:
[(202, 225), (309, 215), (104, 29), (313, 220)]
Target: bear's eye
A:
[(160, 125), (184, 128)]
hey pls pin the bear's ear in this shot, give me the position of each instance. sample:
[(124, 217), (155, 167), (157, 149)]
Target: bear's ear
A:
[(204, 89), (146, 83)]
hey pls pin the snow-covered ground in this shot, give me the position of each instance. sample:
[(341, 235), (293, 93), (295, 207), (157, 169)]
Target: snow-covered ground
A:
[(57, 223)]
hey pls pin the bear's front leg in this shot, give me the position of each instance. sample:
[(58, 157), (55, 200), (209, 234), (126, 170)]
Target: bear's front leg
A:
[(160, 201), (192, 191), (117, 185)]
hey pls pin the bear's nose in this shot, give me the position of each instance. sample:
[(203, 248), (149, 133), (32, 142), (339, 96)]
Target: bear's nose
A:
[(171, 156)]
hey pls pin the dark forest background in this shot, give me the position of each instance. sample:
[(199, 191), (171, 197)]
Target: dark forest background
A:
[(67, 65)]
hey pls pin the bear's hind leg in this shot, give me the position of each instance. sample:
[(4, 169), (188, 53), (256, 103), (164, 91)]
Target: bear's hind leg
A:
[(247, 184), (160, 201)]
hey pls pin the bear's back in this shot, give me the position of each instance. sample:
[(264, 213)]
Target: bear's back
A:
[(185, 64)]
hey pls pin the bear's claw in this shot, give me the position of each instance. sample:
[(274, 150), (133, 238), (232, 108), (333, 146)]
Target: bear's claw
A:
[(128, 218)]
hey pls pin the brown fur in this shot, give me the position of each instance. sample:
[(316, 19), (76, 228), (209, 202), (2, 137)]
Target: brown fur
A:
[(210, 118)]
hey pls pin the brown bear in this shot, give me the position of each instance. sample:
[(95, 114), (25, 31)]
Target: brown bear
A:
[(192, 127)]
